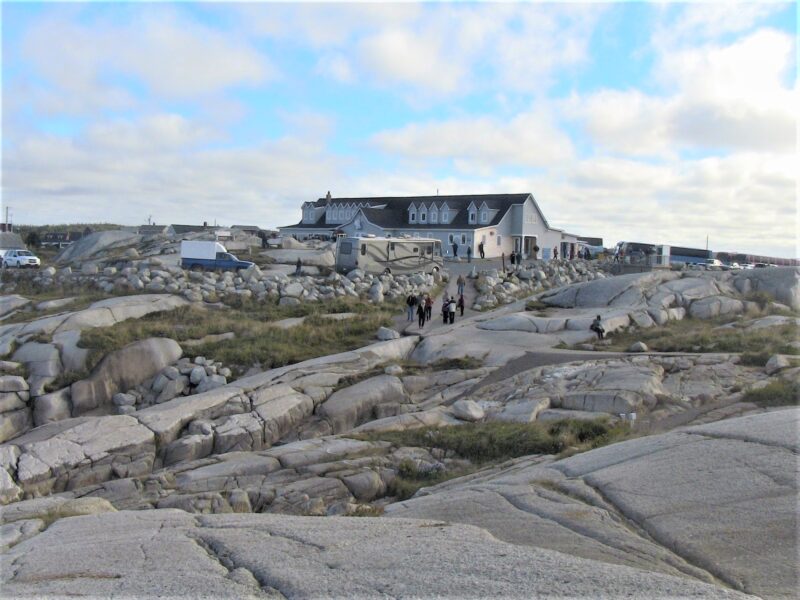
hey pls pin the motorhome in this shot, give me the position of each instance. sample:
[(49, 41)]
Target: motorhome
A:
[(378, 255)]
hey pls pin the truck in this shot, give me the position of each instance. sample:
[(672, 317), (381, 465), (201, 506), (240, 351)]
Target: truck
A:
[(211, 256), (379, 255)]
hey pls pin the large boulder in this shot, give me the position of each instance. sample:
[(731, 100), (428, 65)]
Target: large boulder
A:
[(123, 370), (95, 244), (782, 283), (353, 405)]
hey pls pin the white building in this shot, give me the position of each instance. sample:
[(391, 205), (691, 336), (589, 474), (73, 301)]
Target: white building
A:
[(501, 222)]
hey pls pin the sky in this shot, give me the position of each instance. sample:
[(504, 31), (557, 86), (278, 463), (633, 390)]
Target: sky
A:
[(657, 122)]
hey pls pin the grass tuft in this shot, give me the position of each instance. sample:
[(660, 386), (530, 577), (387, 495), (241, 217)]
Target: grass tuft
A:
[(779, 392)]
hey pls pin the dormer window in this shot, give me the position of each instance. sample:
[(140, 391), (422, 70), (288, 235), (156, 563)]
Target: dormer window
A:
[(434, 215), (484, 216), (471, 216), (445, 215), (412, 217), (423, 216)]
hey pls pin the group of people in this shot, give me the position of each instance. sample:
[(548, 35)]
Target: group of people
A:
[(481, 251), (422, 306)]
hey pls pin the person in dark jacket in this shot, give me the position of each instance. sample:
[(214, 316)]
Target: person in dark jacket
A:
[(411, 302), (469, 253), (480, 250), (460, 304), (455, 250), (513, 259), (298, 268), (445, 310), (428, 307), (555, 252), (597, 327), (421, 314)]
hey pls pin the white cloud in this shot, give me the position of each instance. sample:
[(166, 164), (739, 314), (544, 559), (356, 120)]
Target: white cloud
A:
[(731, 97), (156, 167), (337, 67), (86, 67), (474, 143)]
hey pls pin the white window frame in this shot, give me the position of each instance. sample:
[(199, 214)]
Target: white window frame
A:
[(434, 215), (412, 216), (450, 238), (423, 217), (484, 216), (472, 217), (463, 238), (445, 215)]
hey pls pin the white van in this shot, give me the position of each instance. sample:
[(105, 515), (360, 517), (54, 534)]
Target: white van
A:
[(378, 255)]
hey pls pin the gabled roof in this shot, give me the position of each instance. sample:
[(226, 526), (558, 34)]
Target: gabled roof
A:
[(395, 213)]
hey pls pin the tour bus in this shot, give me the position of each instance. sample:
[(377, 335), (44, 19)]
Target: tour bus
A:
[(378, 255), (641, 253)]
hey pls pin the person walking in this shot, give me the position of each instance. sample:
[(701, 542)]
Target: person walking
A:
[(298, 268), (455, 249), (451, 309), (597, 327), (411, 302), (513, 259), (445, 310), (461, 283), (480, 250), (421, 314), (555, 252), (469, 253), (460, 304), (428, 307), (536, 252)]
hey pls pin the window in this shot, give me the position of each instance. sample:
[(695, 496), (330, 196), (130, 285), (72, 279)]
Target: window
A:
[(391, 246), (416, 249), (484, 216), (499, 240), (412, 217), (345, 247), (450, 238), (423, 217), (434, 215), (463, 238), (363, 249), (445, 215), (471, 217)]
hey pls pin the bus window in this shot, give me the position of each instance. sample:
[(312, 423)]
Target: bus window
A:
[(391, 246), (416, 249), (428, 249), (363, 249), (345, 247)]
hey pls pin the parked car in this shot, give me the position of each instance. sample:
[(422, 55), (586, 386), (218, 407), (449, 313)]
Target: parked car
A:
[(22, 259)]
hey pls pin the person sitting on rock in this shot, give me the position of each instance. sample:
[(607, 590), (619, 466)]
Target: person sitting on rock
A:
[(597, 327)]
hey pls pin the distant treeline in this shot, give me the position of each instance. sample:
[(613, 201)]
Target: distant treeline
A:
[(82, 227)]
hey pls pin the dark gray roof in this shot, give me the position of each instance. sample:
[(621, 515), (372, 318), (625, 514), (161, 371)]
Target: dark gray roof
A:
[(190, 228), (592, 241), (395, 215)]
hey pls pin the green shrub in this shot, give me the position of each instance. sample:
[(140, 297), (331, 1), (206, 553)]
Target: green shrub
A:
[(491, 442), (779, 392)]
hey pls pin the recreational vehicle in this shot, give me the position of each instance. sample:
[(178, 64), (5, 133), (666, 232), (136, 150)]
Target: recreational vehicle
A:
[(379, 255)]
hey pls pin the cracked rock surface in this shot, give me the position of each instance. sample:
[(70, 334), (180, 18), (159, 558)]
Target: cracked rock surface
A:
[(172, 553), (717, 502)]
